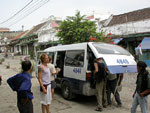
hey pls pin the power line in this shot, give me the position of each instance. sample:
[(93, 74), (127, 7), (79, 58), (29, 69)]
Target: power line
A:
[(27, 11), (17, 12), (29, 7), (44, 2)]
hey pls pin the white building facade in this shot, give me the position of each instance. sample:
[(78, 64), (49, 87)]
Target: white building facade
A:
[(47, 33)]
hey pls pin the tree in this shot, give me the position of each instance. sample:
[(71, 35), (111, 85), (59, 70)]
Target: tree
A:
[(76, 29), (101, 37)]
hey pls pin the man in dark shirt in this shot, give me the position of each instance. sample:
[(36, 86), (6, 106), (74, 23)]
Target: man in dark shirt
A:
[(21, 83), (100, 76), (142, 88)]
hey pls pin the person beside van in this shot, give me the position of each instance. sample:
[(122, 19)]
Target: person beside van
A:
[(44, 77), (53, 73), (6, 55), (12, 54), (100, 76), (142, 88), (112, 88)]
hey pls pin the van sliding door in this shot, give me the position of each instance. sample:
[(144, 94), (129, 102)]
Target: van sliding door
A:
[(75, 64)]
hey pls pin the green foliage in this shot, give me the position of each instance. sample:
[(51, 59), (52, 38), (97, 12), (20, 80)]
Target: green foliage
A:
[(31, 53), (76, 29), (101, 37)]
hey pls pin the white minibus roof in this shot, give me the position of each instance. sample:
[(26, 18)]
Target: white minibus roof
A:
[(78, 46), (117, 59)]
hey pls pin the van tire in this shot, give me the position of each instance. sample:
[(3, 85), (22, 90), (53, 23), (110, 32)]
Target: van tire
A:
[(66, 91)]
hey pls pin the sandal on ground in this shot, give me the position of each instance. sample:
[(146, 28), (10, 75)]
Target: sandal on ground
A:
[(98, 109)]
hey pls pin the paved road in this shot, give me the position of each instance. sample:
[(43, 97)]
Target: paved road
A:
[(81, 104)]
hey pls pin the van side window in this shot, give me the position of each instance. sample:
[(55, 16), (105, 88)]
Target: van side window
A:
[(75, 58), (91, 58)]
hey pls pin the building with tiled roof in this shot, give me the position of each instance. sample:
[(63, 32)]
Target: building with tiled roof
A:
[(131, 27), (26, 42), (128, 23), (138, 15), (6, 37), (19, 35), (4, 29), (14, 41), (47, 33)]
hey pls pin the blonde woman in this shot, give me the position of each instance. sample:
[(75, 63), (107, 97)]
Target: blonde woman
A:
[(44, 75)]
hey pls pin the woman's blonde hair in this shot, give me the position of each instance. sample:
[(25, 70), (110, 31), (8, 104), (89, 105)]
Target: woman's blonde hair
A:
[(43, 57)]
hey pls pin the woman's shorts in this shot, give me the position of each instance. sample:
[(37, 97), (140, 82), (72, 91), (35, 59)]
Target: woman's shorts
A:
[(53, 84), (46, 98)]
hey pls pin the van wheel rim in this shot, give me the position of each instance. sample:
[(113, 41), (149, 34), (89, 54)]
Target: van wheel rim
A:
[(66, 91)]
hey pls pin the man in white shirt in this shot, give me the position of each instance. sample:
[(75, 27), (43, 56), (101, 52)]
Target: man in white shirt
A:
[(53, 73)]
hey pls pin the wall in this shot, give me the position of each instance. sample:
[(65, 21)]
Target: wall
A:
[(129, 28)]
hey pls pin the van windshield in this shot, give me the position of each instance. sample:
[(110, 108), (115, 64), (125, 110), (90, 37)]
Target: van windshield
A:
[(104, 48)]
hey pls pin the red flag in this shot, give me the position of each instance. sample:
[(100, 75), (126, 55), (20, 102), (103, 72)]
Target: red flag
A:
[(90, 17)]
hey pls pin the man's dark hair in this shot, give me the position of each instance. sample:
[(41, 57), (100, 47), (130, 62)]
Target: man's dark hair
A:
[(142, 65), (26, 65)]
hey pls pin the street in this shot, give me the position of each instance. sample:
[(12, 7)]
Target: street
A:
[(81, 104)]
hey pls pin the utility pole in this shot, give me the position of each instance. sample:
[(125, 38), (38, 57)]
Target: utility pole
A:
[(22, 27)]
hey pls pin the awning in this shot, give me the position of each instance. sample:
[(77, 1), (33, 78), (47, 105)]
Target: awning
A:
[(117, 40), (18, 44), (145, 44)]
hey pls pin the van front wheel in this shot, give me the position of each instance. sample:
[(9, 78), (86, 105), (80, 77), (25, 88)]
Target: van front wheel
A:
[(66, 91)]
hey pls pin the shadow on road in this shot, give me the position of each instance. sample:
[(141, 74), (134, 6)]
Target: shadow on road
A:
[(88, 100)]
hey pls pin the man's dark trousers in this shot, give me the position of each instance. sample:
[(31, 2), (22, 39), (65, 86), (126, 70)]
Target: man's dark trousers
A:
[(26, 107), (111, 86)]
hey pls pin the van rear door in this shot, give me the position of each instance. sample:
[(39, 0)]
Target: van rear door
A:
[(120, 64), (117, 59)]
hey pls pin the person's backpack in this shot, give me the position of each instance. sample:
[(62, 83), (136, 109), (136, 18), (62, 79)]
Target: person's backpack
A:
[(101, 74)]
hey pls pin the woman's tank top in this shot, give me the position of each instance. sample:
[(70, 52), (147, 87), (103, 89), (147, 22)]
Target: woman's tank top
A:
[(46, 75)]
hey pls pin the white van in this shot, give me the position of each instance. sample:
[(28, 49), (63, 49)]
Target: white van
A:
[(76, 64)]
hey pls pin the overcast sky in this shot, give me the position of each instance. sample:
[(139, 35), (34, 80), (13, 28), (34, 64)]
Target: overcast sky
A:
[(61, 8)]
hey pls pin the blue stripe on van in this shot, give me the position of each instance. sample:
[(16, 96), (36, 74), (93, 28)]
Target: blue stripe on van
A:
[(122, 69)]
